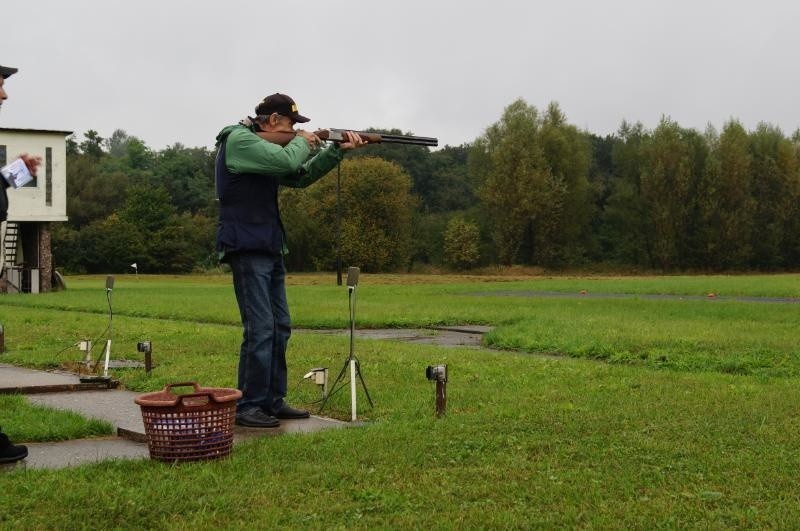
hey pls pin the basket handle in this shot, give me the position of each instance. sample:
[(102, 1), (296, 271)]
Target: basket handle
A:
[(195, 385), (208, 395)]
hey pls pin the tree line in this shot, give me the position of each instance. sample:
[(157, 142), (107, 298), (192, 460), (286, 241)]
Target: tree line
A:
[(532, 190)]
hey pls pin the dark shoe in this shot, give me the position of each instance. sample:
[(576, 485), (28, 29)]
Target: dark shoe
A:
[(287, 412), (11, 452), (257, 419)]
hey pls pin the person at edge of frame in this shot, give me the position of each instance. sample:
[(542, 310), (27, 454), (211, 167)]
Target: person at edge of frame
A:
[(9, 452), (251, 238)]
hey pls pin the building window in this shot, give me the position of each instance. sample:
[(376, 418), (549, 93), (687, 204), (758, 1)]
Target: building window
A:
[(48, 176), (2, 155)]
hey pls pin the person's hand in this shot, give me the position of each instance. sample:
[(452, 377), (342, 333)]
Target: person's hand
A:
[(31, 162), (354, 141), (313, 140)]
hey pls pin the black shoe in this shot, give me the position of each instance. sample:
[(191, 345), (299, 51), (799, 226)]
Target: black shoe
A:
[(287, 412), (257, 419), (10, 453)]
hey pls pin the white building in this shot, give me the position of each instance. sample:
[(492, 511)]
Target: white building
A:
[(32, 208)]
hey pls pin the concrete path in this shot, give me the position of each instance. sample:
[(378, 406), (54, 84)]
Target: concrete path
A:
[(15, 380), (71, 453), (712, 297), (443, 336)]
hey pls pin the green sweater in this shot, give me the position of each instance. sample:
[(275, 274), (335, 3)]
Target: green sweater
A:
[(293, 165)]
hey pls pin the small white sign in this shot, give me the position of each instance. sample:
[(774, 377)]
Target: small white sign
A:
[(16, 174)]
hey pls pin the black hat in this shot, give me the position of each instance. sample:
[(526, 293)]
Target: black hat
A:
[(6, 71), (281, 104)]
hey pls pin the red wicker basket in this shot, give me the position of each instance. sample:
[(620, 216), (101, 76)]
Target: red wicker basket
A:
[(190, 427)]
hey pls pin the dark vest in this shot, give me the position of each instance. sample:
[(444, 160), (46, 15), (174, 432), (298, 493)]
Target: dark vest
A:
[(249, 219)]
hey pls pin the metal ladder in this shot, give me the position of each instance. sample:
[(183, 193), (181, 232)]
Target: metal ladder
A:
[(9, 249)]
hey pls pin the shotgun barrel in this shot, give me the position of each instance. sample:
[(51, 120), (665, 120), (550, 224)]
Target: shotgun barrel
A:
[(337, 135)]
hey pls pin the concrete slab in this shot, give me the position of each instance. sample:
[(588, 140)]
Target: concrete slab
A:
[(466, 329), (11, 376), (27, 381), (72, 453), (445, 336), (309, 425)]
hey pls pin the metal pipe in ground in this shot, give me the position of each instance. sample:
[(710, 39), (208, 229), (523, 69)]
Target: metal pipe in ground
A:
[(2, 339), (441, 398)]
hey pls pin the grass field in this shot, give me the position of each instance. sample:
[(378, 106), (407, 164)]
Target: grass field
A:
[(600, 413)]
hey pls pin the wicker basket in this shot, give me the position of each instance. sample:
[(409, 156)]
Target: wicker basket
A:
[(190, 427)]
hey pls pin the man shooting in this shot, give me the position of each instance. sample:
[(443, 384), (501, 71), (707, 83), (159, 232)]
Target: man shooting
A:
[(251, 238)]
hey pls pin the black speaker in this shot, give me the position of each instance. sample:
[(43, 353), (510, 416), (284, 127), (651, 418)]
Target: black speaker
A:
[(352, 277)]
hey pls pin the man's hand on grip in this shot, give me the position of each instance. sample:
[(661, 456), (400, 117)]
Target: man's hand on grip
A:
[(312, 139)]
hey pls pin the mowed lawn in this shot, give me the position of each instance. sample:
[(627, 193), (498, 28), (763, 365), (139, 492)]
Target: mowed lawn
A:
[(599, 412)]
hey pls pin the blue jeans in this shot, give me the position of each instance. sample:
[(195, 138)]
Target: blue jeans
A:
[(258, 280)]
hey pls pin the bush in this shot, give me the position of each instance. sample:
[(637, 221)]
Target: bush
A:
[(461, 242)]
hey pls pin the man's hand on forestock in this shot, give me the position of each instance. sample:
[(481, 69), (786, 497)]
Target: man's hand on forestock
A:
[(31, 162), (354, 141)]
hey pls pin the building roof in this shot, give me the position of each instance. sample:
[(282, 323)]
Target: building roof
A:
[(48, 131)]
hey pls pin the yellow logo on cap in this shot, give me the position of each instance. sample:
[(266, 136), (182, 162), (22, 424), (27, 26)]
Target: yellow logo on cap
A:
[(294, 108)]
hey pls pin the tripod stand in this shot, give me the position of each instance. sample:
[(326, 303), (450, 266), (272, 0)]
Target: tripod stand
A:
[(351, 361)]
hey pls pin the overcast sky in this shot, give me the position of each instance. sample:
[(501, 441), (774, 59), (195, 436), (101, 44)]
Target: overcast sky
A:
[(177, 71)]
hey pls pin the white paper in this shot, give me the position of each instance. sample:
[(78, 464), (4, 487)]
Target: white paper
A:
[(16, 174)]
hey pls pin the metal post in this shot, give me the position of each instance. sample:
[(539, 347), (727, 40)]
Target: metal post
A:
[(338, 225), (148, 362), (441, 398), (2, 337), (353, 390), (108, 356)]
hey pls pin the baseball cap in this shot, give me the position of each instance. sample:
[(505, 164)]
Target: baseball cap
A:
[(281, 104), (6, 71)]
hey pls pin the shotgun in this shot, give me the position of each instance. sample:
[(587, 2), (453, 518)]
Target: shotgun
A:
[(337, 135)]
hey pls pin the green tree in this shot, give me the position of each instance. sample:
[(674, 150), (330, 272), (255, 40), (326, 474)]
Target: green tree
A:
[(775, 191), (564, 230), (110, 246), (509, 164), (533, 175), (92, 144), (188, 176), (448, 186), (726, 200), (149, 209), (415, 161), (461, 243), (625, 217), (66, 248), (185, 244), (92, 194), (672, 166), (377, 207)]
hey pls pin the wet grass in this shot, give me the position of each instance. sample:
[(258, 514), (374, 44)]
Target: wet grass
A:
[(696, 335), (26, 422)]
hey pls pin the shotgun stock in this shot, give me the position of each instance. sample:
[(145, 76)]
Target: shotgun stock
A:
[(337, 135)]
